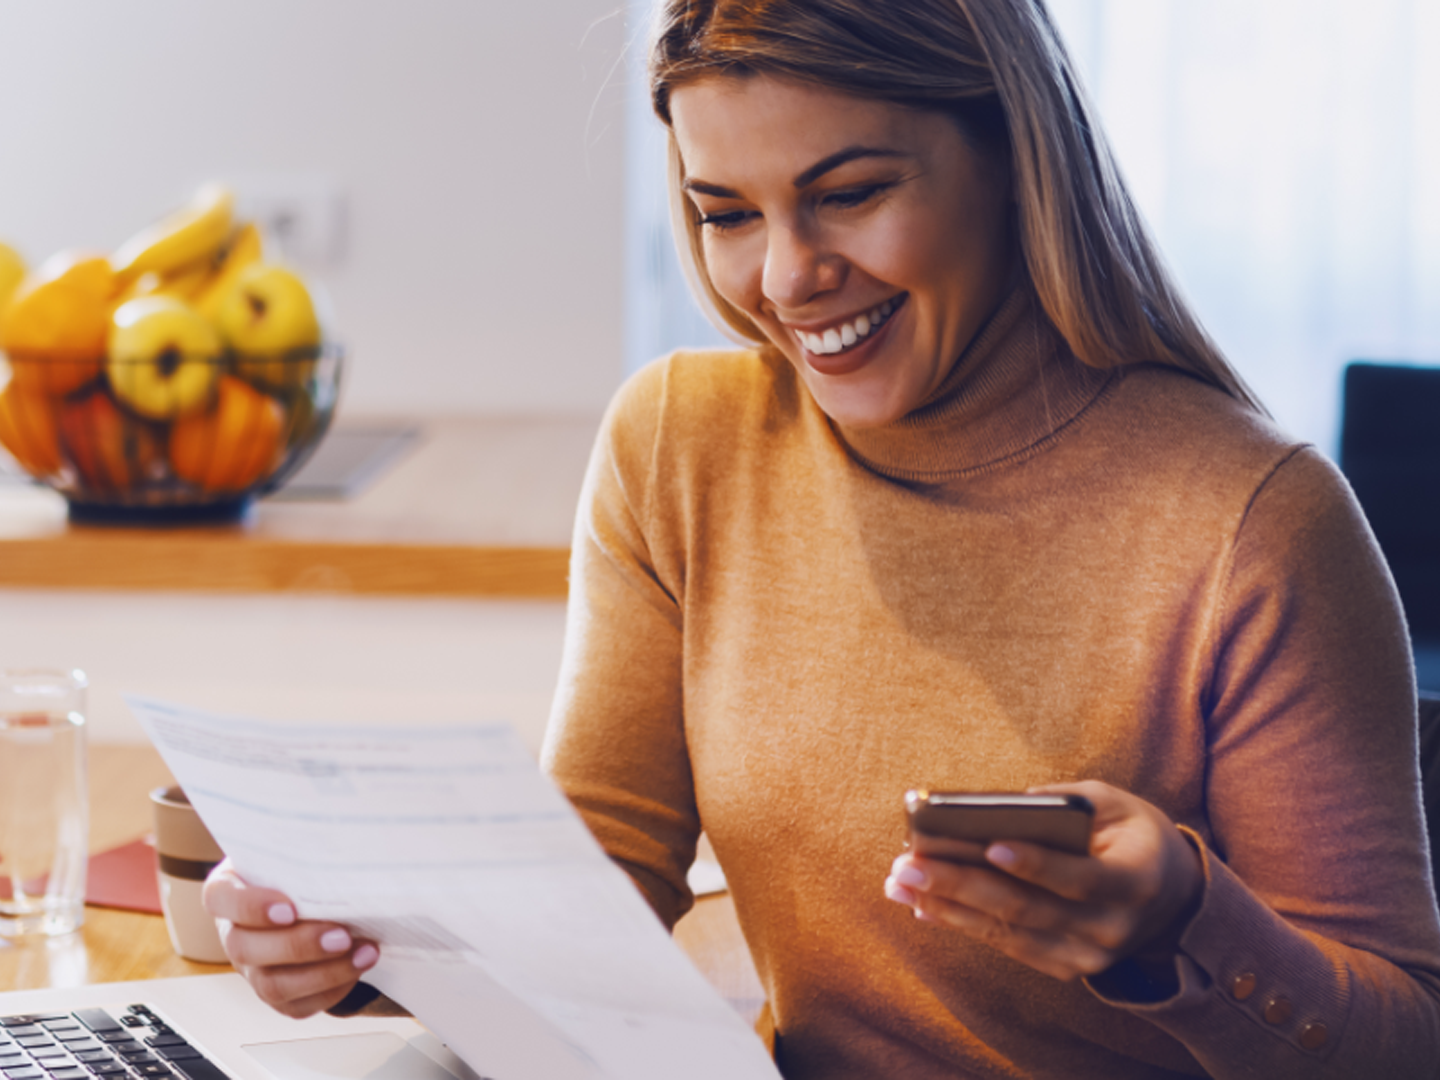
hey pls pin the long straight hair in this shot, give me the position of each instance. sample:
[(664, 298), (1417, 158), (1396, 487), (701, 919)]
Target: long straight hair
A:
[(1000, 70)]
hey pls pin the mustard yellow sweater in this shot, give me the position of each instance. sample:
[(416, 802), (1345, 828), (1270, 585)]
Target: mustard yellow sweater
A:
[(1048, 573)]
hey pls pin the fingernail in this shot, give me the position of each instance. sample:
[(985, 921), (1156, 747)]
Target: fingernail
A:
[(365, 957), (912, 875), (899, 893), (1001, 855), (336, 940), (281, 914)]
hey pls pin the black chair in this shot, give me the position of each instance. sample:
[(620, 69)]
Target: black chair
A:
[(1390, 452)]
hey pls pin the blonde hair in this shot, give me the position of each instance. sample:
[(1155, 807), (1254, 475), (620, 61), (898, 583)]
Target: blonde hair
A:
[(999, 68)]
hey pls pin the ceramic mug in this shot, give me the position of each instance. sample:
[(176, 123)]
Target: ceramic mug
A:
[(185, 853)]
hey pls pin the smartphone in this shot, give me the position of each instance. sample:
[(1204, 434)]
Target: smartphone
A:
[(959, 825)]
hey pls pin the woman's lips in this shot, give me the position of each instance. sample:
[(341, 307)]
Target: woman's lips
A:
[(857, 355)]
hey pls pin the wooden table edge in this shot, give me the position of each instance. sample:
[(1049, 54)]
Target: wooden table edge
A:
[(200, 562)]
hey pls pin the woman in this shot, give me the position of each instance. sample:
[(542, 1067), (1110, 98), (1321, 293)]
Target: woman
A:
[(982, 510)]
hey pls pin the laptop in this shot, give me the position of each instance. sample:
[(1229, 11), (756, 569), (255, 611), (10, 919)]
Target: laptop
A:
[(204, 1027)]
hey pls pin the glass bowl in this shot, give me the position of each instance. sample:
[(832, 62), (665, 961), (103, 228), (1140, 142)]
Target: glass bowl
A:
[(175, 439)]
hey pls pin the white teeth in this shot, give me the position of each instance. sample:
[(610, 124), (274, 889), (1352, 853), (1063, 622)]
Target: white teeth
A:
[(846, 335)]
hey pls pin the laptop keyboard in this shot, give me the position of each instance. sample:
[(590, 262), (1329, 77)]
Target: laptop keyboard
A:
[(96, 1044)]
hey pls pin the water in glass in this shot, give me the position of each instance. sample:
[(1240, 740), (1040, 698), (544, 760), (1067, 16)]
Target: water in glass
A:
[(44, 804)]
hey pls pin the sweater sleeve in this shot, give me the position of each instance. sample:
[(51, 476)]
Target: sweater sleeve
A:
[(1316, 949), (615, 743)]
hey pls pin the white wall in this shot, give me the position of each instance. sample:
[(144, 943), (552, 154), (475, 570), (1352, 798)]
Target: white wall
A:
[(477, 146), (295, 657)]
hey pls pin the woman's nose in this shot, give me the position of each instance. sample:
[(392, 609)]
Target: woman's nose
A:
[(797, 268)]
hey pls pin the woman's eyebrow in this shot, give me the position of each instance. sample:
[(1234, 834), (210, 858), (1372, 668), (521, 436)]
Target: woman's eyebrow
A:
[(840, 157), (809, 176), (705, 188)]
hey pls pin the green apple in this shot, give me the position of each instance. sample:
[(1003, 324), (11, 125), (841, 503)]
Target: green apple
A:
[(268, 319), (163, 358)]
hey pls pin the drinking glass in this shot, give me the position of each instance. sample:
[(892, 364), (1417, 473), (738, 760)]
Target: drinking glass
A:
[(44, 802)]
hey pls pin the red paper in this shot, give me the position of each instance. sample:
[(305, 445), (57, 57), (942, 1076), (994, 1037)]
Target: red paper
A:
[(124, 877)]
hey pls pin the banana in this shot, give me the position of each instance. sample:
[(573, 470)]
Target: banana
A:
[(184, 284), (243, 249), (194, 232)]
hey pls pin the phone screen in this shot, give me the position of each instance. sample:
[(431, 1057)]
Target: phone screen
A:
[(960, 825)]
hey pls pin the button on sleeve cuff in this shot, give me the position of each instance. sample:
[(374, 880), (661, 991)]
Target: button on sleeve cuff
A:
[(1251, 987)]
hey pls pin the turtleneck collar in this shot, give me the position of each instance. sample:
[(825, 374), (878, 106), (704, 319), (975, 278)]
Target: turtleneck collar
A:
[(1015, 386)]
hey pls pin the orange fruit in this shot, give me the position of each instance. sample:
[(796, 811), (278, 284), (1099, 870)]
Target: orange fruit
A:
[(233, 445), (112, 451), (28, 430), (57, 321), (12, 273)]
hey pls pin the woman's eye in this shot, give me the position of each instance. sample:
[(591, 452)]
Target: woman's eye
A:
[(850, 197), (727, 219)]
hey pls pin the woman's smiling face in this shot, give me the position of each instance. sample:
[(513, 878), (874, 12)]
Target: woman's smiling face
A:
[(868, 241)]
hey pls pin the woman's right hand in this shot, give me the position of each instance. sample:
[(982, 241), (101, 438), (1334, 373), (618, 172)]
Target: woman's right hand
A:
[(297, 967)]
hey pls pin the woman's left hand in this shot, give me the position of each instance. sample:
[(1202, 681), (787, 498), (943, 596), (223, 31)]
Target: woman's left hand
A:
[(1068, 916)]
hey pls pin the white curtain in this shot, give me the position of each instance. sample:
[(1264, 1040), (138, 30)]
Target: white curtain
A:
[(1286, 154), (660, 313)]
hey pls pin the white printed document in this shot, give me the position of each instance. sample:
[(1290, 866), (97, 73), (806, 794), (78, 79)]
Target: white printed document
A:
[(503, 927)]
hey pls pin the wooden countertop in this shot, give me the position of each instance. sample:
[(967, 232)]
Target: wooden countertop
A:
[(479, 507)]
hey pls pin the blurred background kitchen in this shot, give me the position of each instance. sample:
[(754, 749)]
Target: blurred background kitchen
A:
[(479, 188)]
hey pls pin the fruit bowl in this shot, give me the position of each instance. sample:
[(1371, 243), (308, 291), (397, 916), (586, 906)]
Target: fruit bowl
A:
[(173, 380), (174, 439)]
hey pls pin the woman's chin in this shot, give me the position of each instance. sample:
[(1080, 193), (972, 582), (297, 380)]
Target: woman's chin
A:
[(858, 405)]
